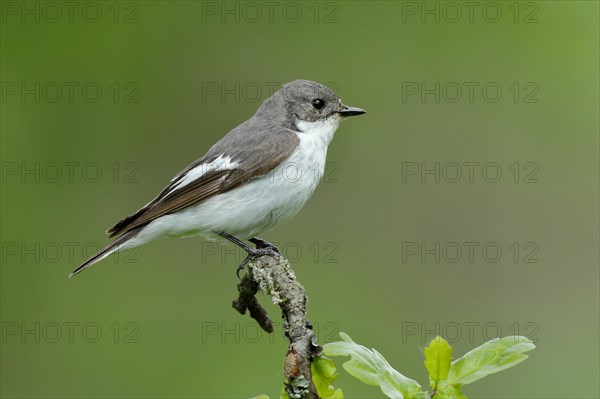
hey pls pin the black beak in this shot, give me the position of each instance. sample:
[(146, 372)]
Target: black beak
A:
[(350, 111)]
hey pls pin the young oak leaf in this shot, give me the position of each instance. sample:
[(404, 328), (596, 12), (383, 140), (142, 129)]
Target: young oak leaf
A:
[(447, 391), (370, 367), (493, 356), (438, 356), (323, 374)]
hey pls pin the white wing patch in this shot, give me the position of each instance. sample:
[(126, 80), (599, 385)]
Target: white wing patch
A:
[(223, 162)]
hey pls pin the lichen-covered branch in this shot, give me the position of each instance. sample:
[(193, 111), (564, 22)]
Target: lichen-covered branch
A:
[(274, 276)]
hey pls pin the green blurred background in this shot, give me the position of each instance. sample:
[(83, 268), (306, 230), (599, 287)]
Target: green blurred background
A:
[(176, 76)]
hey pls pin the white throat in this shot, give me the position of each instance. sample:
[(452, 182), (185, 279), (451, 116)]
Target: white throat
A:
[(321, 130)]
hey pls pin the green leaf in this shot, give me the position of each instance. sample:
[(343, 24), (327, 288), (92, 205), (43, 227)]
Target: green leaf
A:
[(493, 356), (447, 391), (438, 356), (323, 374), (370, 367)]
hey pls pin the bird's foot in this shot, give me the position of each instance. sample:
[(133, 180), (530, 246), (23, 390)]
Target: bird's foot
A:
[(262, 244), (263, 248)]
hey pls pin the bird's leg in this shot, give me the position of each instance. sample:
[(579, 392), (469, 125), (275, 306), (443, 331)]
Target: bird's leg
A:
[(262, 248), (237, 242)]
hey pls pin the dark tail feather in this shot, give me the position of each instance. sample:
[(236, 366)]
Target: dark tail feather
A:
[(106, 251), (123, 224)]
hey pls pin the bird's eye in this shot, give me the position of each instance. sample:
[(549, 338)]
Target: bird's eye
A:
[(318, 103)]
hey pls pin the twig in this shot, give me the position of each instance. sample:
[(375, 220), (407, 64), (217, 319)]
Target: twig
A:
[(274, 276)]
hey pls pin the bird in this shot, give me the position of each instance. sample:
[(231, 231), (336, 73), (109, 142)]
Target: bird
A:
[(256, 177)]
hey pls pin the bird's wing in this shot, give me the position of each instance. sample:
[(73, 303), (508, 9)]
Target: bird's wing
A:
[(212, 175)]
